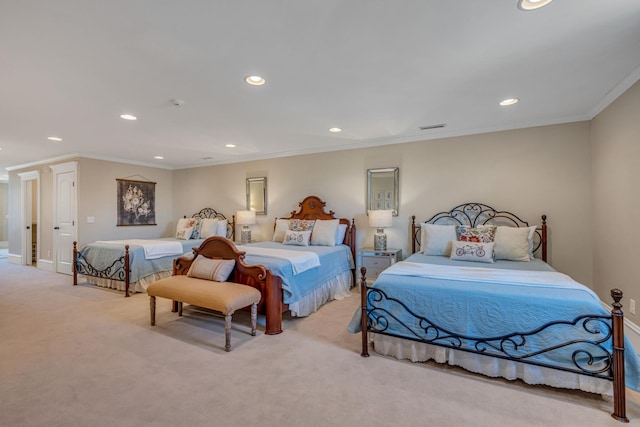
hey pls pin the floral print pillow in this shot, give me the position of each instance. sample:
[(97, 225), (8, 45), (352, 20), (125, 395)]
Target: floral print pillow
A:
[(482, 234), (301, 224)]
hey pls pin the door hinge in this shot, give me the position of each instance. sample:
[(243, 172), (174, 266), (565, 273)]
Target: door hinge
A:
[(73, 223)]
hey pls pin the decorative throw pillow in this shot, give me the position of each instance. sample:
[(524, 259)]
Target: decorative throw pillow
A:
[(341, 233), (435, 239), (298, 238), (184, 233), (221, 230), (211, 269), (282, 225), (208, 227), (482, 234), (196, 228), (301, 224), (324, 232), (514, 243), (472, 251), (184, 223)]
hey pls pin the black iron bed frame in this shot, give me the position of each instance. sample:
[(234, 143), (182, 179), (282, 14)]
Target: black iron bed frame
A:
[(120, 269), (607, 346)]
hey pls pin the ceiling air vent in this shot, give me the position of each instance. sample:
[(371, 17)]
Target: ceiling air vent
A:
[(441, 125)]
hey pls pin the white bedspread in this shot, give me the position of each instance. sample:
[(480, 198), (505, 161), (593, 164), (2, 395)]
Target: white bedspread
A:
[(153, 249), (300, 260)]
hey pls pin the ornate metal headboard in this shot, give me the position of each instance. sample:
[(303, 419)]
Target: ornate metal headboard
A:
[(212, 213), (474, 214)]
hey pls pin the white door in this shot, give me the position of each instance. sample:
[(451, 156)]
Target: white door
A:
[(30, 197), (64, 221)]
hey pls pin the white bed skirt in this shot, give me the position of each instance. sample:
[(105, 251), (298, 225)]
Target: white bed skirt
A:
[(335, 288), (139, 286), (489, 366)]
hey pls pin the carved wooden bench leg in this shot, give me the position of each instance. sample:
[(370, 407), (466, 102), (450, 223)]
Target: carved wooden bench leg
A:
[(179, 308), (227, 331), (254, 318), (152, 307)]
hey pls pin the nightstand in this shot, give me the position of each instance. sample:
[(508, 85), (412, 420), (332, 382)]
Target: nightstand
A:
[(376, 261)]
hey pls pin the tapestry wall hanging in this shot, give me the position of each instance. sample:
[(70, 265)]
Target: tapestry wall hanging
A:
[(136, 202)]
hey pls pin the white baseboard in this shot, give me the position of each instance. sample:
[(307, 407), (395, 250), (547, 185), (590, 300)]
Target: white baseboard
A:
[(631, 330), (14, 259), (47, 265)]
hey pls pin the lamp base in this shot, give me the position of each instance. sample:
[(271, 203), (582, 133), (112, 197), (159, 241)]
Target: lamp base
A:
[(245, 235), (380, 240)]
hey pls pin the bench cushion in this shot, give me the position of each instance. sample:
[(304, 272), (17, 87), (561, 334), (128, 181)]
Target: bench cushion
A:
[(225, 297)]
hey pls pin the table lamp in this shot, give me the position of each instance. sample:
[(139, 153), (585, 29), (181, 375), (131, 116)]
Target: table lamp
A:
[(245, 219), (380, 219)]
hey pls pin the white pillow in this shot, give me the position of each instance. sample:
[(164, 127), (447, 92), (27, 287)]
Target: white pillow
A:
[(222, 228), (184, 233), (282, 225), (324, 232), (340, 233), (211, 269), (208, 227), (298, 238), (182, 223), (472, 251), (514, 243), (435, 239)]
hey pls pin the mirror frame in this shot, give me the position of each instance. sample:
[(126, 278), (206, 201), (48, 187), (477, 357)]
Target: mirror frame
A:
[(250, 181), (371, 200)]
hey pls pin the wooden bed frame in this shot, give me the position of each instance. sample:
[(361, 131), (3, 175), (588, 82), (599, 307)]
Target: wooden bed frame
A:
[(120, 269), (374, 316), (311, 208)]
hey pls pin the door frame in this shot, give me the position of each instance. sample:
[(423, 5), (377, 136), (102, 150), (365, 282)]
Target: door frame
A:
[(58, 169), (25, 214)]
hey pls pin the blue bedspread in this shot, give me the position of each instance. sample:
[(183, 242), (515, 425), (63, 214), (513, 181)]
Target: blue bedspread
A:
[(493, 309), (101, 255), (334, 260)]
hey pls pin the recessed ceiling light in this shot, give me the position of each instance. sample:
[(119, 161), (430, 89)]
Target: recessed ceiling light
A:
[(509, 101), (335, 130), (159, 157), (128, 117), (230, 145), (532, 4), (255, 80), (54, 138)]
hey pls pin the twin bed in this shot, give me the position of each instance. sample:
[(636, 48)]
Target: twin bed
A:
[(513, 317), (307, 276)]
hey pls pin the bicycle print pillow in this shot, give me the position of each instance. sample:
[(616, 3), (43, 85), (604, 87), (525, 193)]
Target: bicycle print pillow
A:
[(298, 238), (472, 251)]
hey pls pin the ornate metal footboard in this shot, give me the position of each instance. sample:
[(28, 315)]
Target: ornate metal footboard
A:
[(119, 270), (597, 349)]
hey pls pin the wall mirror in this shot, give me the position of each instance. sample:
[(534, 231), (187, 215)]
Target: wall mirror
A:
[(382, 189), (257, 195)]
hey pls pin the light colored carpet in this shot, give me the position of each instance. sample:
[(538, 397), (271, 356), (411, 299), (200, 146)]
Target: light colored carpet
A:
[(85, 356)]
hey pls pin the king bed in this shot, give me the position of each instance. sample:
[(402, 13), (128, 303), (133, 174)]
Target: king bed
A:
[(475, 296), (131, 265)]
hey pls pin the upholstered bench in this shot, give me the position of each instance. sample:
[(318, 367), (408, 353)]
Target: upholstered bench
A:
[(215, 278)]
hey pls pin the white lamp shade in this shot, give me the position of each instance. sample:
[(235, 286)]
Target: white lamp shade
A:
[(380, 219), (246, 217)]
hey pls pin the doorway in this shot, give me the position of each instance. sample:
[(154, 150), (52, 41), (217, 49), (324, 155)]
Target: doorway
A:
[(30, 205)]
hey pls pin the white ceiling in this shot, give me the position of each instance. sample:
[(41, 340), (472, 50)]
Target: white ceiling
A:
[(378, 69)]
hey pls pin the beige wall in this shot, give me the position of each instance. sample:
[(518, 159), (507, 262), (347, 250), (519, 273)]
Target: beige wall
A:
[(96, 197), (535, 171), (615, 139)]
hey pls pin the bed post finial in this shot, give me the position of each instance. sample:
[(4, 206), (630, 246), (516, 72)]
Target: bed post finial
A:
[(617, 320), (544, 238), (364, 317), (413, 234)]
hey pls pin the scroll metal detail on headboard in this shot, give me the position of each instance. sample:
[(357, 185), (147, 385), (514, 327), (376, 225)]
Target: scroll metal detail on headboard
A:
[(477, 214)]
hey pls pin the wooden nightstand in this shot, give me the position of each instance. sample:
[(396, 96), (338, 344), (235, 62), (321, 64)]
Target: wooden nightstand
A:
[(376, 261)]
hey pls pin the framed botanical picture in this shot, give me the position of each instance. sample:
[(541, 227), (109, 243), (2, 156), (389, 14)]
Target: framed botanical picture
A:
[(136, 202)]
